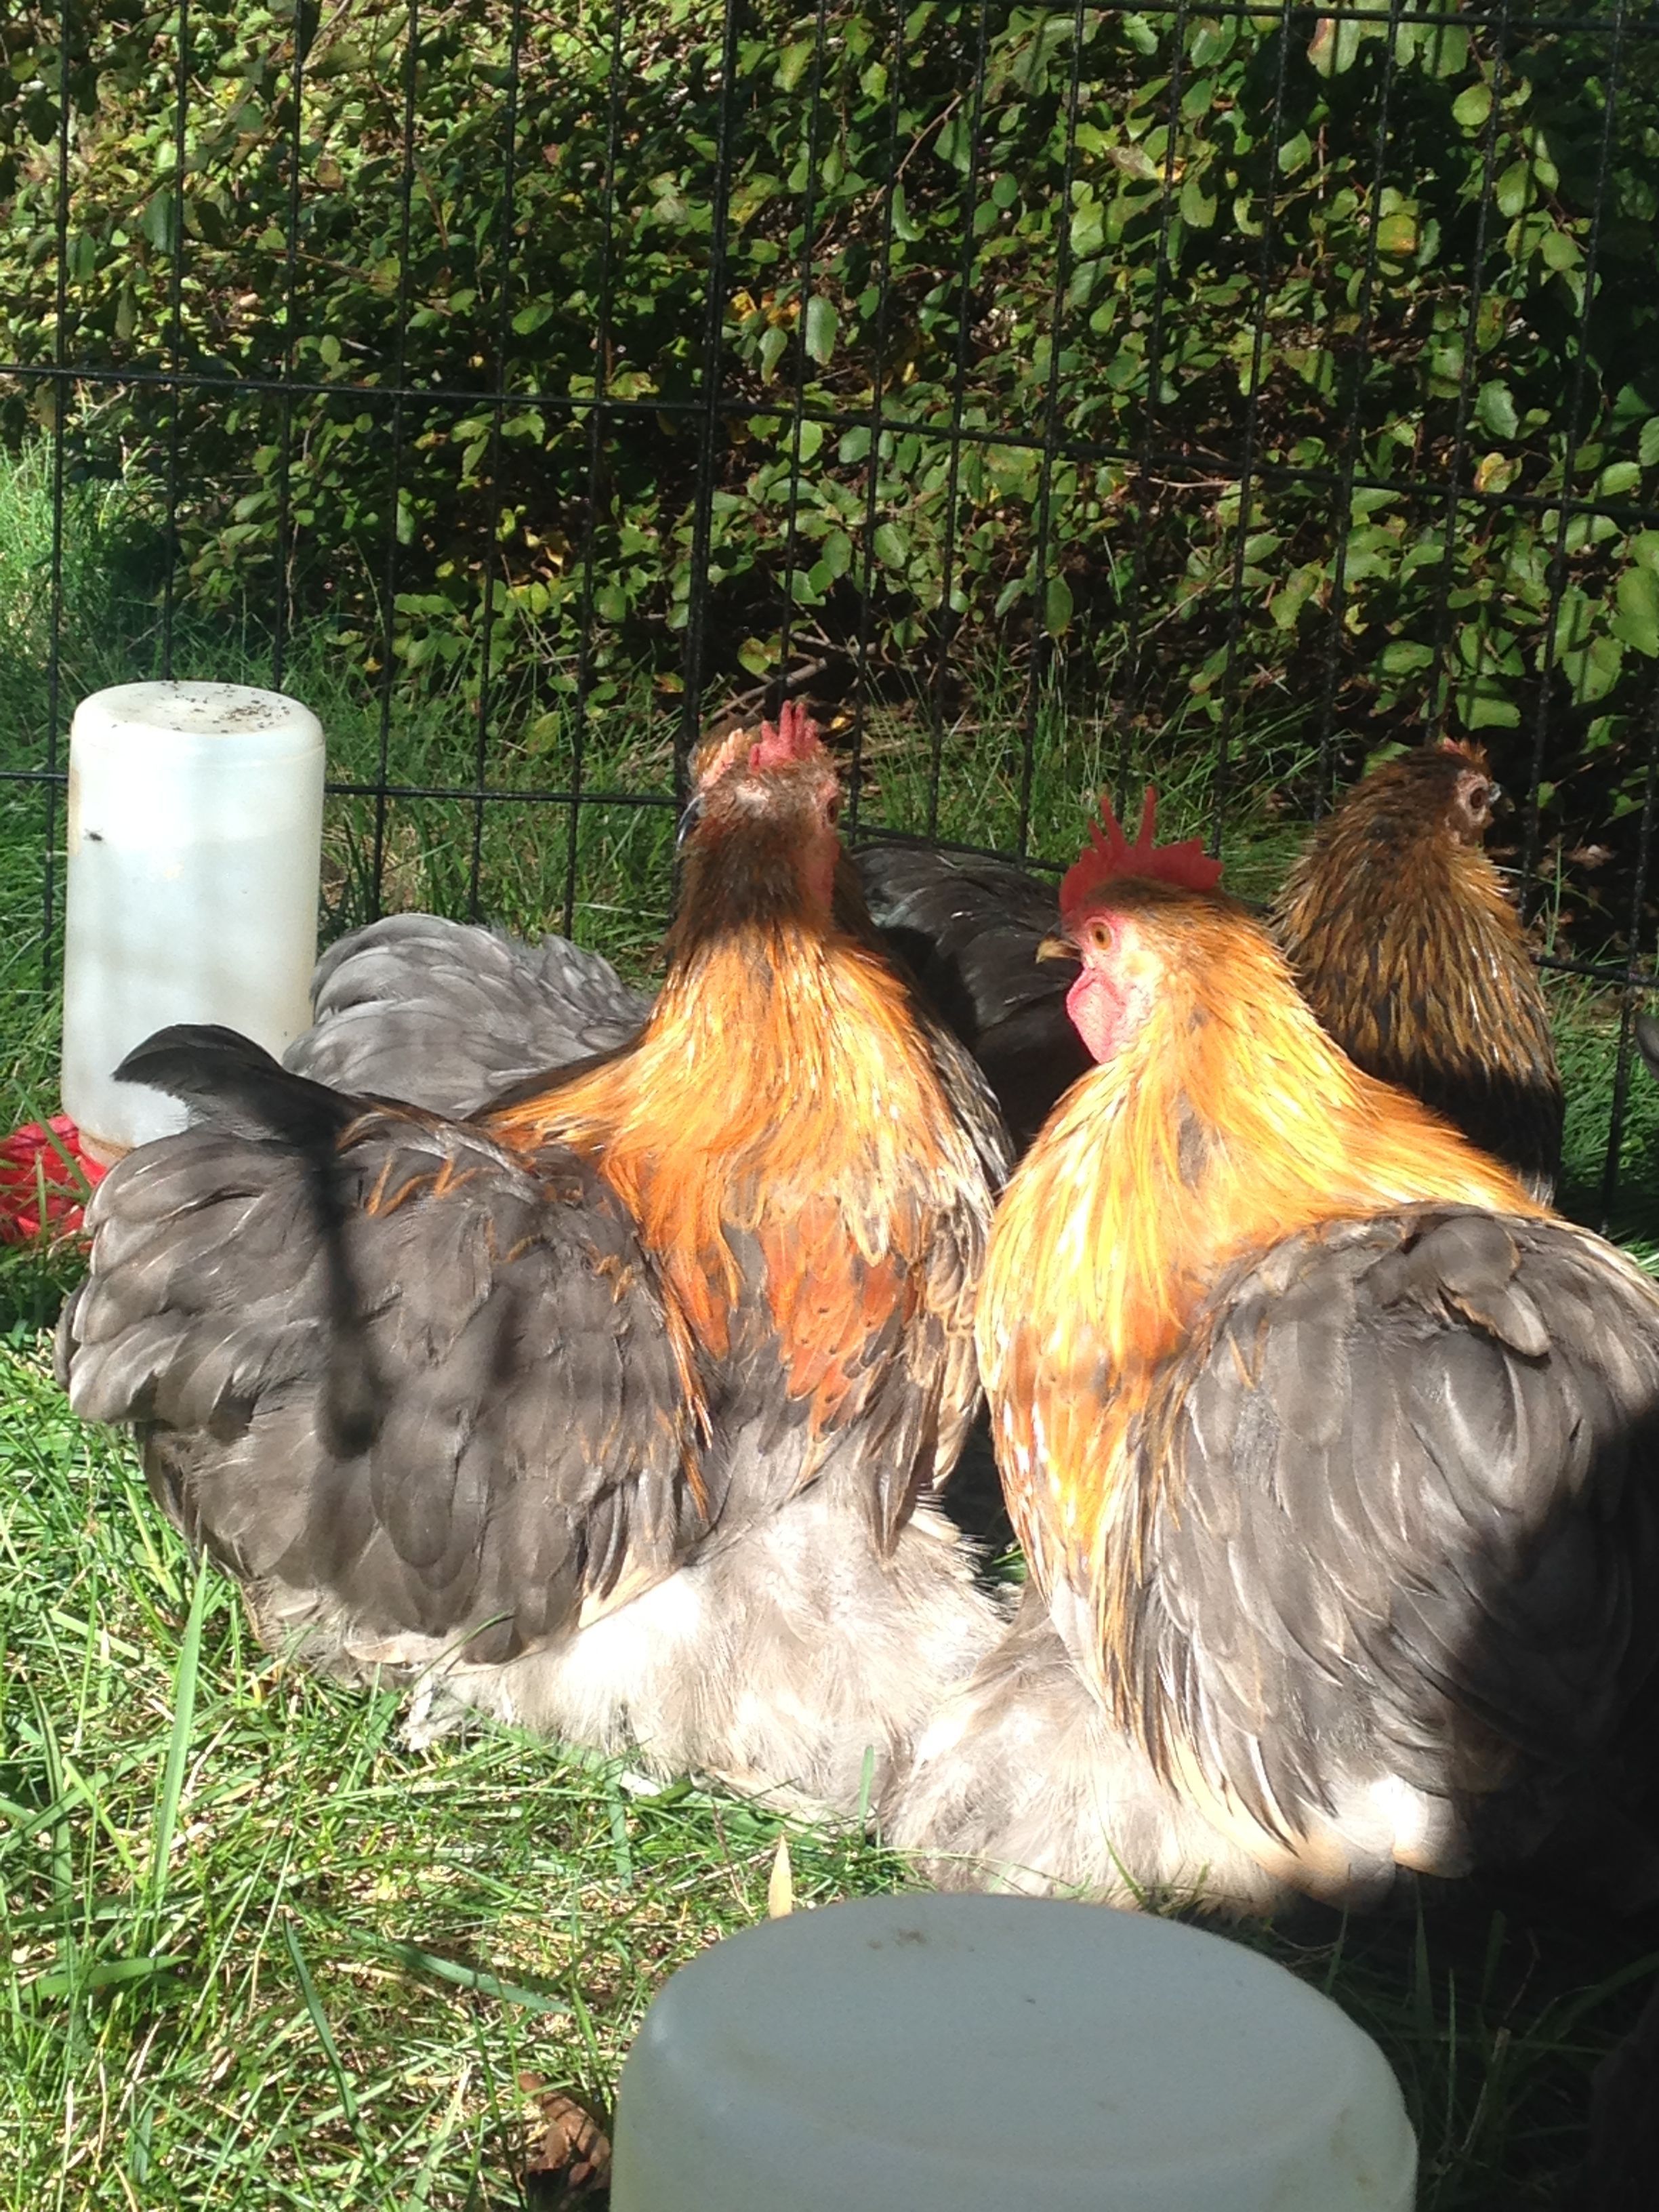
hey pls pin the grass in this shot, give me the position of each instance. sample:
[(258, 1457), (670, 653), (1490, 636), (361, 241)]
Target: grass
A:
[(261, 1955)]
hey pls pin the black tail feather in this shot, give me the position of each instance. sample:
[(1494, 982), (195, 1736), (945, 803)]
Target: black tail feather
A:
[(227, 1079)]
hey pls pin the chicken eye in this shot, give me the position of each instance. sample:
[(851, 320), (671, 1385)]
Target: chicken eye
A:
[(1100, 936)]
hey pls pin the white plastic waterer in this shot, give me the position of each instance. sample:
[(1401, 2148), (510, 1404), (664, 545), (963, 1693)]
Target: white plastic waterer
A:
[(968, 2054), (195, 839)]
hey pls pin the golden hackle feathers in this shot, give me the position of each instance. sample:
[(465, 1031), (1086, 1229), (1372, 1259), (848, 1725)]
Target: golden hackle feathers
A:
[(781, 1102), (736, 1112), (1227, 1121)]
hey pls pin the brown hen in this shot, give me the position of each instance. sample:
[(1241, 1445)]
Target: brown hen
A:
[(1409, 947)]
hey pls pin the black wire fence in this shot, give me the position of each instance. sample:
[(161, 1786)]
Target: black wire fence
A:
[(1061, 393)]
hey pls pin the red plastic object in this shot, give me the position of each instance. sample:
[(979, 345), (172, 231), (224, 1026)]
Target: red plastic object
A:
[(44, 1178)]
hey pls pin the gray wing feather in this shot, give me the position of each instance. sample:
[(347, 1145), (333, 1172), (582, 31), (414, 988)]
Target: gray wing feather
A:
[(382, 1360), (1410, 1518), (446, 1015)]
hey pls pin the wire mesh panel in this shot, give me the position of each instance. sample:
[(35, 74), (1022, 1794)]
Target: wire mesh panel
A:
[(1059, 393)]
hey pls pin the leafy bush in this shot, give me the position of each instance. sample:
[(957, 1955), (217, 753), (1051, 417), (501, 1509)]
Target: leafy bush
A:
[(1294, 361)]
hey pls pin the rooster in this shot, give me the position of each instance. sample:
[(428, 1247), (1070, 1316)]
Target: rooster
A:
[(1335, 1456), (610, 1411), (1409, 949)]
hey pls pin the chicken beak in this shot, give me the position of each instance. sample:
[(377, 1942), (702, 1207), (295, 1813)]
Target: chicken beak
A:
[(1056, 948)]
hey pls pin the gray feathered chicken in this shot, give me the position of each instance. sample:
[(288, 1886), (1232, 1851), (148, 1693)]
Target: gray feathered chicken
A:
[(608, 1411), (1334, 1457)]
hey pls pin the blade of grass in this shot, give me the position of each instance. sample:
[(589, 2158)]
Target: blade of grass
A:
[(186, 1675), (313, 2005), (477, 1979)]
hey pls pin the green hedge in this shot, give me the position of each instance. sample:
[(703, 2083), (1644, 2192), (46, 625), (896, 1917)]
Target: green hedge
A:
[(1331, 353)]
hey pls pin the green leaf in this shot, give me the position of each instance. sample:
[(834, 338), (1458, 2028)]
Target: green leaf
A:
[(1575, 620), (1647, 449), (1288, 601), (1334, 45), (1494, 408), (1396, 235), (186, 1674), (1618, 478), (1473, 106), (837, 554), (1057, 606), (1404, 658), (1295, 153), (416, 1961), (1197, 207), (890, 545), (757, 656), (822, 322), (158, 221), (810, 438), (1638, 619), (102, 1974), (793, 63), (774, 342), (1489, 710), (1088, 229), (1446, 49), (1514, 189), (1593, 672)]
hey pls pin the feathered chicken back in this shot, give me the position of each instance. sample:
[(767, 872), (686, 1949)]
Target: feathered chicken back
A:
[(1397, 1510), (969, 931), (410, 1387), (1407, 944), (446, 1015)]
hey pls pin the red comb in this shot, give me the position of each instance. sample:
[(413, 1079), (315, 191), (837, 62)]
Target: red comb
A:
[(1108, 855), (792, 737)]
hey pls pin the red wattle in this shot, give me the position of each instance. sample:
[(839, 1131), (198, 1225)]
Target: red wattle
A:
[(1097, 1013)]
